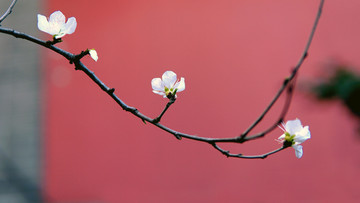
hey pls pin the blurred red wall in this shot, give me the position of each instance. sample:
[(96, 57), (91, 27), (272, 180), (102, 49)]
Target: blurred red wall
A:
[(234, 56)]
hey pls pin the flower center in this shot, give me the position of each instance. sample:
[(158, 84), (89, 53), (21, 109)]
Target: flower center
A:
[(289, 139), (170, 92)]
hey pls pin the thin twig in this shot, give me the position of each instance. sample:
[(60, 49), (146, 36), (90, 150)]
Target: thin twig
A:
[(262, 156), (294, 72), (289, 94), (171, 101), (288, 84), (8, 11)]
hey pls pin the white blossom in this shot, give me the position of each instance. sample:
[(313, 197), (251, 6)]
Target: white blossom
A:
[(168, 85), (56, 25), (295, 134), (93, 54)]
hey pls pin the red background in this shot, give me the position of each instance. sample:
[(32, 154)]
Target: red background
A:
[(234, 56)]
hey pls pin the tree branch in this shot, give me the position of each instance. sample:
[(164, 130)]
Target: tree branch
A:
[(293, 74), (171, 101), (288, 85), (262, 156), (8, 11)]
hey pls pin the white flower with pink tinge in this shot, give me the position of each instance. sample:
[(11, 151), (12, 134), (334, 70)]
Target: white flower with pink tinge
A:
[(56, 25), (294, 135), (168, 85)]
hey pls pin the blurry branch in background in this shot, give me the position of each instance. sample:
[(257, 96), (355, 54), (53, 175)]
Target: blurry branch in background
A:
[(288, 87), (8, 11), (341, 83)]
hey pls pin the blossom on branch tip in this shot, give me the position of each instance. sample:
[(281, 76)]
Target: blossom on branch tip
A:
[(294, 135), (56, 25), (93, 54), (168, 85)]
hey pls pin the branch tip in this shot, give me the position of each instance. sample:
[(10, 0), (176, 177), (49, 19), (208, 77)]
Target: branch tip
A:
[(177, 136)]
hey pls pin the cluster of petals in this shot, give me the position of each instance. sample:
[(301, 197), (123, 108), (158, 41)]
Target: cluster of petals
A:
[(168, 85), (295, 134), (56, 25)]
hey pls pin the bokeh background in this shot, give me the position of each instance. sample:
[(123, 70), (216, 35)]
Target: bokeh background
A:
[(234, 56)]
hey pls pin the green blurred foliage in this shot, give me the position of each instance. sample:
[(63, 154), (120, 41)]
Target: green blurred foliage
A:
[(342, 84)]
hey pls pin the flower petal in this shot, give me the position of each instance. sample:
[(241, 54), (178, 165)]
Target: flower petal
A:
[(298, 150), (160, 93), (93, 54), (169, 79), (43, 23), (70, 25), (293, 126), (180, 86), (302, 135), (157, 85), (57, 18)]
